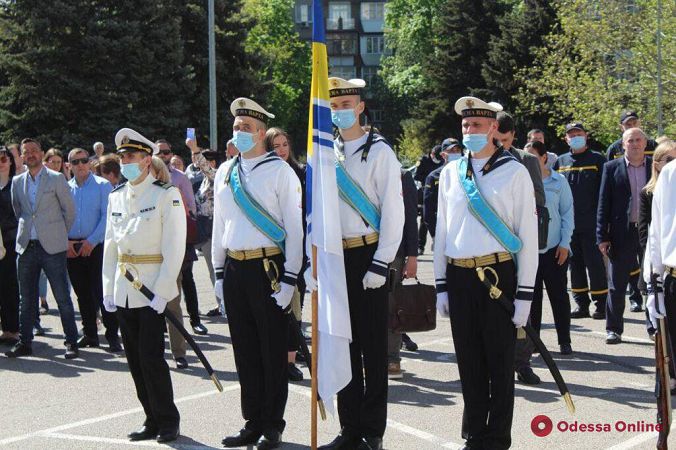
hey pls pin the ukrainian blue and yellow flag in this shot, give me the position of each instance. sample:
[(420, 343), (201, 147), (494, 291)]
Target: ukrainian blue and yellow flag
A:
[(324, 230)]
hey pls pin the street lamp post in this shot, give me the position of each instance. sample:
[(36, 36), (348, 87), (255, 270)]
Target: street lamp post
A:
[(213, 129)]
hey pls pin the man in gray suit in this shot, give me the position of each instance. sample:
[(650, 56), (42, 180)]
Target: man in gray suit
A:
[(44, 206)]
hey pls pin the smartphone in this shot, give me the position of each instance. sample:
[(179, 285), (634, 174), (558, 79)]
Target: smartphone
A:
[(190, 134)]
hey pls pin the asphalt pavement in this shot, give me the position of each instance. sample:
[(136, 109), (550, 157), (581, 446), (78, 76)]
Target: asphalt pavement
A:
[(90, 403)]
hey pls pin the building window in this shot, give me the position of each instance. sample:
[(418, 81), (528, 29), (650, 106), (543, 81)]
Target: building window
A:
[(375, 45), (345, 72), (377, 115), (340, 44), (369, 74), (372, 11), (304, 12), (340, 16)]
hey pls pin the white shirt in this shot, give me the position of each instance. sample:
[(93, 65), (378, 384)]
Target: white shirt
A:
[(145, 219), (662, 235), (508, 189), (380, 179), (275, 186)]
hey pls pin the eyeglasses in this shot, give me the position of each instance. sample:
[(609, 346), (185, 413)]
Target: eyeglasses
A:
[(165, 152), (77, 162)]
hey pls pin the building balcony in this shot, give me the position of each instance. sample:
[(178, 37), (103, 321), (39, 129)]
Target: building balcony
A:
[(340, 24)]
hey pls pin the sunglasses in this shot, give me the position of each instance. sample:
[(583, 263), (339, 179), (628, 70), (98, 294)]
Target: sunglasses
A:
[(77, 162), (3, 159), (165, 152)]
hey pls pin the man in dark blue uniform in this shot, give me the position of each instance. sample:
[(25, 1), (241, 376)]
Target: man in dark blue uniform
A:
[(583, 168), (451, 149), (427, 164)]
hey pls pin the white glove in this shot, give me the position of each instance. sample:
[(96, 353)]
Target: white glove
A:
[(218, 289), (521, 313), (442, 304), (310, 281), (373, 280), (655, 307), (109, 303), (283, 297), (158, 304)]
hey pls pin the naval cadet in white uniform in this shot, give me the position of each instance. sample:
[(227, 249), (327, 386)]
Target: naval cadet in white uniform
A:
[(371, 239), (146, 228), (257, 242), (483, 334)]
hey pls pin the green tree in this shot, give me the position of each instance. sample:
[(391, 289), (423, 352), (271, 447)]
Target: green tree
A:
[(601, 60), (522, 31), (286, 72), (77, 71), (235, 68)]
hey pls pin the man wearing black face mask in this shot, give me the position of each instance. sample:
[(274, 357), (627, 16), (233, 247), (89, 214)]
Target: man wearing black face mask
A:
[(426, 165)]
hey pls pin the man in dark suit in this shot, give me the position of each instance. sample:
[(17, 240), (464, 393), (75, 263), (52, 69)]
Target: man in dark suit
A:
[(44, 206), (617, 223)]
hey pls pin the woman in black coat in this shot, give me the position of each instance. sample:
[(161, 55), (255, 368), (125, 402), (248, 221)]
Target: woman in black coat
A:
[(9, 293)]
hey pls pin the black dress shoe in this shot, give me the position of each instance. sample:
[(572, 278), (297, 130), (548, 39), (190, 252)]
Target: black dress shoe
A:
[(143, 433), (216, 312), (371, 443), (635, 307), (181, 363), (114, 345), (294, 373), (408, 343), (86, 341), (270, 439), (527, 376), (300, 357), (579, 313), (19, 349), (566, 349), (168, 435), (200, 329), (71, 351), (343, 441), (599, 314), (243, 438)]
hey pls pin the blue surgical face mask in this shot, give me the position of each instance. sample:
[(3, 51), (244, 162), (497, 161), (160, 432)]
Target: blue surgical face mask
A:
[(343, 118), (577, 142), (475, 142), (243, 141), (131, 171), (452, 157)]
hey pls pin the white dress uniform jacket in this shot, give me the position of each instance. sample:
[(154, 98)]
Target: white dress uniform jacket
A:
[(662, 237), (274, 185), (508, 189), (145, 219), (380, 179)]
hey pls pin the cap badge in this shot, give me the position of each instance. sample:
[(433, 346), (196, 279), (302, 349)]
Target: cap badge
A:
[(241, 103), (334, 83), (125, 140), (470, 103)]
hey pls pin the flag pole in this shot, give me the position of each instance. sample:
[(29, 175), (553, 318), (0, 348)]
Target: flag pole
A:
[(315, 354)]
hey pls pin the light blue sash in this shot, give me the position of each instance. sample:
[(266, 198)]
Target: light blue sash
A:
[(353, 195), (258, 216), (484, 213)]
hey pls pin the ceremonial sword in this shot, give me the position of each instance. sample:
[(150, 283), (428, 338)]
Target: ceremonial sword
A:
[(272, 272), (139, 286), (496, 294)]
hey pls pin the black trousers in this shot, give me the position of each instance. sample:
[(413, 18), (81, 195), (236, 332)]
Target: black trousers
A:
[(670, 306), (623, 261), (9, 291), (294, 338), (484, 339), (259, 332), (190, 292), (143, 338), (587, 259), (85, 276), (362, 404), (555, 279), (422, 234)]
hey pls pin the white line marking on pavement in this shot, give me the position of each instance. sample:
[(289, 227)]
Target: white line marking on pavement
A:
[(638, 440), (104, 440), (71, 425), (406, 429)]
